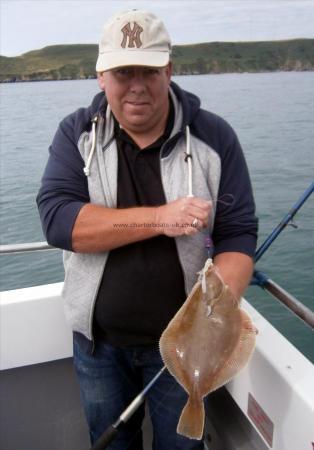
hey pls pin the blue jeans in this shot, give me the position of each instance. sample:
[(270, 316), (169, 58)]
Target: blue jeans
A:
[(109, 380)]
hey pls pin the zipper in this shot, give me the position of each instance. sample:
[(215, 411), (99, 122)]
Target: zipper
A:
[(174, 138), (104, 148), (91, 319), (93, 309)]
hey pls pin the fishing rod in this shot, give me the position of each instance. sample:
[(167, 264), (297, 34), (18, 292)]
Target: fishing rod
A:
[(258, 279), (284, 222), (113, 429), (263, 280)]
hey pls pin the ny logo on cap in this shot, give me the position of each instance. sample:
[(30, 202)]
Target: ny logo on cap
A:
[(132, 34)]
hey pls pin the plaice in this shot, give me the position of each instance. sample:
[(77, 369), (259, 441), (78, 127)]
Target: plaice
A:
[(207, 343)]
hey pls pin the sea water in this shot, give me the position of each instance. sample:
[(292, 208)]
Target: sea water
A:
[(272, 114)]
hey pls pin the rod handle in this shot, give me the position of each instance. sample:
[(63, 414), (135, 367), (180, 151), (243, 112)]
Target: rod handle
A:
[(105, 438)]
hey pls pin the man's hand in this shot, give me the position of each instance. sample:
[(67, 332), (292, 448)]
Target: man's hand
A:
[(185, 216)]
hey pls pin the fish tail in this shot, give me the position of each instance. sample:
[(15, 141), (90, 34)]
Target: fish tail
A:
[(191, 423)]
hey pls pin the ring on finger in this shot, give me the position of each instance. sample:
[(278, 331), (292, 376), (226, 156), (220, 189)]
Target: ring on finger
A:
[(195, 222)]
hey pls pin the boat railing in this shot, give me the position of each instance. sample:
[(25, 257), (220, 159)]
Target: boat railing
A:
[(279, 293), (25, 247), (260, 279)]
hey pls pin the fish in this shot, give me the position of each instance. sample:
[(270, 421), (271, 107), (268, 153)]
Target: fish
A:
[(208, 341)]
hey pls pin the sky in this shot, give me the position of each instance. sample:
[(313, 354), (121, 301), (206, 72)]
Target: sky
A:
[(29, 25)]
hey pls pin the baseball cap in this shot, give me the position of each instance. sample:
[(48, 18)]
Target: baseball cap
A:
[(133, 38)]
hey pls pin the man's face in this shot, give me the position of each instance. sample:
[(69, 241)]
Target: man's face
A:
[(138, 96)]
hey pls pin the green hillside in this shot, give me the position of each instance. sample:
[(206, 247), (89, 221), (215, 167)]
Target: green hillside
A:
[(55, 62), (61, 62), (224, 57)]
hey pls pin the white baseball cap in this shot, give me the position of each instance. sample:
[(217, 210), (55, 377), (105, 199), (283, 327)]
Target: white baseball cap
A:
[(133, 38)]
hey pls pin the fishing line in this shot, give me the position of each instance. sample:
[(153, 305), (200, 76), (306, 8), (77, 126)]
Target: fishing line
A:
[(225, 202)]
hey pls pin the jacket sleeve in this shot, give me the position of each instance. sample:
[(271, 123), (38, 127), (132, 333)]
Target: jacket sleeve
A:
[(63, 189), (235, 226)]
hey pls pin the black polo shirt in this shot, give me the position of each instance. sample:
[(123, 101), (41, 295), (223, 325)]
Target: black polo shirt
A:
[(142, 286)]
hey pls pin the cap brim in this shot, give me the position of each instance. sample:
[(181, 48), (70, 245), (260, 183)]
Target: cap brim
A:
[(113, 60)]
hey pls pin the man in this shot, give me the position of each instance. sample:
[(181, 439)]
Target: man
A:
[(131, 190)]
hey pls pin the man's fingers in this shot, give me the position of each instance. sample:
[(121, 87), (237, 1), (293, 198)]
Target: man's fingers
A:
[(196, 215), (189, 231), (199, 223), (195, 202), (187, 215), (204, 204)]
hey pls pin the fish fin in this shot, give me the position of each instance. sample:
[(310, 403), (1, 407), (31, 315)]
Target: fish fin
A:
[(241, 354), (191, 422)]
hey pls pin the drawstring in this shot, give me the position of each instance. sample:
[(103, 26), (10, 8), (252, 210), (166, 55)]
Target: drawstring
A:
[(188, 159), (87, 167)]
